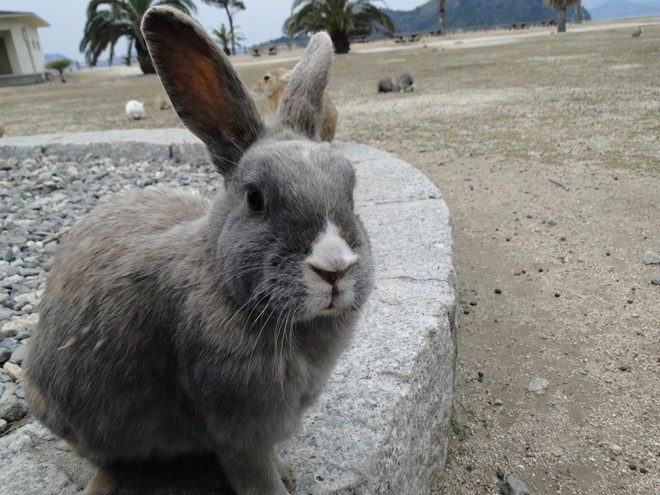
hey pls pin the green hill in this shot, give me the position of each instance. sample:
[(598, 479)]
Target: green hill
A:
[(474, 14)]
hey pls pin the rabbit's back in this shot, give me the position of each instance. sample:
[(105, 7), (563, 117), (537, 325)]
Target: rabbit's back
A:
[(105, 331)]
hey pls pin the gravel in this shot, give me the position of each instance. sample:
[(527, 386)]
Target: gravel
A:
[(12, 408), (40, 199)]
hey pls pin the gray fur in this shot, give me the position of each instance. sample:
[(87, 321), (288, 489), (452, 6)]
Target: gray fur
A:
[(172, 324), (405, 83), (302, 104), (385, 85), (232, 122)]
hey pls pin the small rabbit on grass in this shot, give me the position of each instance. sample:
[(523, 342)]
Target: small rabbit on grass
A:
[(176, 325), (134, 110)]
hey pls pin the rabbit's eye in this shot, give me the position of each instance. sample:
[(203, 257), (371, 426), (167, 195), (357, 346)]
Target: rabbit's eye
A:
[(266, 77), (255, 200)]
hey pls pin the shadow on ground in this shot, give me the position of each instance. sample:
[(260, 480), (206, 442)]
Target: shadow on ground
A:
[(193, 475)]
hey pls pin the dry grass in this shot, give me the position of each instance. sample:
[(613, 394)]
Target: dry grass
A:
[(594, 94)]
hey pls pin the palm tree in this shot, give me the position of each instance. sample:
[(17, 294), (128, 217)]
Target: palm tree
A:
[(232, 7), (561, 6), (340, 18), (223, 37), (579, 17), (443, 17), (110, 20)]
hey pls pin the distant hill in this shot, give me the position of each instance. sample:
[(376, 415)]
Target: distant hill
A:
[(618, 9), (474, 14)]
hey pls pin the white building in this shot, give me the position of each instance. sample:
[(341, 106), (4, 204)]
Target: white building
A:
[(21, 58)]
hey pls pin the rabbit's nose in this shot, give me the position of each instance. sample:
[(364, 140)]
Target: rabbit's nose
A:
[(331, 277)]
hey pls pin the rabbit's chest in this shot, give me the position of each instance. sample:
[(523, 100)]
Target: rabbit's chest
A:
[(310, 378)]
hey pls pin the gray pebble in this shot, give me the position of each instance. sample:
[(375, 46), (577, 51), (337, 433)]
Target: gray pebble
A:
[(3, 425), (28, 272), (8, 254), (5, 312), (23, 335), (10, 389), (18, 355), (12, 270), (538, 385), (11, 280), (513, 486), (18, 289), (651, 258), (17, 240), (655, 280), (19, 392), (4, 377), (9, 343), (5, 354), (12, 409)]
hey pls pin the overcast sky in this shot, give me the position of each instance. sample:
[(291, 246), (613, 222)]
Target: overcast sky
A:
[(261, 21)]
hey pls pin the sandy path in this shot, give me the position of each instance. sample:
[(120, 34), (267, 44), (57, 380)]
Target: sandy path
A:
[(574, 306)]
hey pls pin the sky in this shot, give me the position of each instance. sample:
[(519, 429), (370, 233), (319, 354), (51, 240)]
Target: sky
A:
[(261, 21)]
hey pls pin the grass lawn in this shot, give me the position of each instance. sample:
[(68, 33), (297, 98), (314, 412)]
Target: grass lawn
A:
[(593, 93)]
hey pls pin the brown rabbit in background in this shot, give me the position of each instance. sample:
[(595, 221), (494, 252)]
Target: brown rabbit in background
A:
[(174, 325), (273, 85)]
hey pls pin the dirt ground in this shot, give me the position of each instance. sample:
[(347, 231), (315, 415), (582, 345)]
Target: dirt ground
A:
[(547, 151)]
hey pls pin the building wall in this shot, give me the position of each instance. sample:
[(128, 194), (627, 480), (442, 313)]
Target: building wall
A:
[(23, 60), (11, 51)]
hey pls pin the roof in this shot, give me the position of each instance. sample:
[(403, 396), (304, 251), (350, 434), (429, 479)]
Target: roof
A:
[(33, 18)]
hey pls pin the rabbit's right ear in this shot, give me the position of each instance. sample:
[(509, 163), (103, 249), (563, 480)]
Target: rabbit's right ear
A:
[(302, 105), (202, 85)]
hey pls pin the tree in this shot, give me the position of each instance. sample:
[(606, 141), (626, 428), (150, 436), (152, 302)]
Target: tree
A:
[(223, 37), (443, 17), (232, 7), (110, 20), (561, 6), (579, 16), (340, 18), (60, 66)]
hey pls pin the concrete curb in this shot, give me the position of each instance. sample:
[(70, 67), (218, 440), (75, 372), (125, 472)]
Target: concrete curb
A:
[(382, 425)]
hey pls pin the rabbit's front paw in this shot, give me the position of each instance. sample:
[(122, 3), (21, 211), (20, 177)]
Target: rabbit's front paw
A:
[(254, 472), (288, 475)]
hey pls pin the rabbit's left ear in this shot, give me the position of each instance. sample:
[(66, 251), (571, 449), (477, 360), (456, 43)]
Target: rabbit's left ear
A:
[(302, 105), (202, 85)]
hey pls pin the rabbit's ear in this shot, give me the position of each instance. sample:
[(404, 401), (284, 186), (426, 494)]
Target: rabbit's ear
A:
[(202, 85), (302, 105)]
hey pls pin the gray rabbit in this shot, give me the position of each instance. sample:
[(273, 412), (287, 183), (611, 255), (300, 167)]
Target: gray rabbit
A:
[(172, 324), (403, 82)]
